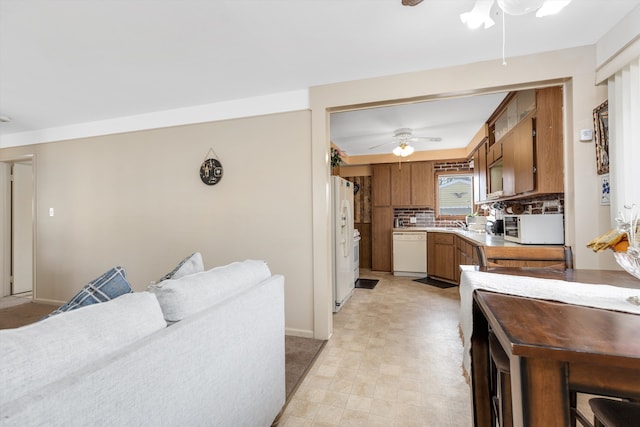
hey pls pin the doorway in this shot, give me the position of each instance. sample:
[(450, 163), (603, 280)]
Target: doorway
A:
[(17, 228)]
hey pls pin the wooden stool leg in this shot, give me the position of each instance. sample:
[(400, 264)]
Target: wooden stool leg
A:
[(504, 396)]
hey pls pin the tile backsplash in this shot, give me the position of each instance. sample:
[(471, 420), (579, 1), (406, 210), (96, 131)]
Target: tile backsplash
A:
[(426, 217)]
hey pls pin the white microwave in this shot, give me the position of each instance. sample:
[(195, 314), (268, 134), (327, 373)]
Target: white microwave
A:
[(545, 229)]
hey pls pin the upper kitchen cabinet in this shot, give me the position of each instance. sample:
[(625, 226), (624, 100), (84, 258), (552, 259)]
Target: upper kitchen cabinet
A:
[(381, 185), (548, 141), (422, 184), (480, 172), (525, 146), (402, 185)]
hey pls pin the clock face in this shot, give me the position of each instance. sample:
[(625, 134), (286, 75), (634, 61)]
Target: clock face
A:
[(211, 171)]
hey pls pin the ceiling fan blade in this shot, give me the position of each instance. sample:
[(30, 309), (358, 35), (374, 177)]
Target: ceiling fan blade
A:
[(411, 2), (425, 139), (380, 145)]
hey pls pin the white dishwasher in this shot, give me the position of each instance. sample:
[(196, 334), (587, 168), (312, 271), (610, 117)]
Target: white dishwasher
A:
[(410, 253)]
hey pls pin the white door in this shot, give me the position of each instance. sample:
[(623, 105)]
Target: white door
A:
[(22, 228)]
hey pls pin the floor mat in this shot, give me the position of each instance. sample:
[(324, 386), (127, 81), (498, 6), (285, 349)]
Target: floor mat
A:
[(434, 282), (366, 283)]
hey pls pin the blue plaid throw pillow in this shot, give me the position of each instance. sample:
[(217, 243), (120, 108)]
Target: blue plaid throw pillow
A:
[(190, 265), (110, 285)]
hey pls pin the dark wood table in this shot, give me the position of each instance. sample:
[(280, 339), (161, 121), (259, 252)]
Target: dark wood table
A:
[(554, 348)]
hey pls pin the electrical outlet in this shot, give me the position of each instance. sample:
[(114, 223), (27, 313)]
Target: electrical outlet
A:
[(413, 220)]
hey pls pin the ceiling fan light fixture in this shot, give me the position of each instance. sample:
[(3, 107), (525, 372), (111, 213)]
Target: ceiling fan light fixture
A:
[(403, 150), (551, 7), (519, 7), (479, 15)]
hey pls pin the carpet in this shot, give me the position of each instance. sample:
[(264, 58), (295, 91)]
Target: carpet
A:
[(23, 314), (434, 282), (366, 283), (300, 353)]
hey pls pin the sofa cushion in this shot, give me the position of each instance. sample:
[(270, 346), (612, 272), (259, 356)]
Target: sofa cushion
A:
[(45, 351), (180, 298), (110, 285), (190, 265)]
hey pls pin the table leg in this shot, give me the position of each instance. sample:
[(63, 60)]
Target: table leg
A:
[(543, 393)]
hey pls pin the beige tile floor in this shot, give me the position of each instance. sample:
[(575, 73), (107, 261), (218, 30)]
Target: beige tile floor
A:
[(394, 359)]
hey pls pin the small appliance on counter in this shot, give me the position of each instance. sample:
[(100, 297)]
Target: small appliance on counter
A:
[(496, 227), (545, 229)]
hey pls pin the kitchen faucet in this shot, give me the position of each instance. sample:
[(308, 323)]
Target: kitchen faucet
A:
[(460, 224)]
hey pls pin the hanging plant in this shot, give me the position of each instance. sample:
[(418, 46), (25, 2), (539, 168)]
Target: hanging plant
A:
[(336, 157)]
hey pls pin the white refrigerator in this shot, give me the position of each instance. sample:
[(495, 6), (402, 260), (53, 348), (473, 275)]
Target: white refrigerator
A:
[(342, 224)]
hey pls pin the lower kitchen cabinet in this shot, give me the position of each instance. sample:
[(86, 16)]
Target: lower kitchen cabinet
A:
[(467, 253), (441, 256), (446, 252)]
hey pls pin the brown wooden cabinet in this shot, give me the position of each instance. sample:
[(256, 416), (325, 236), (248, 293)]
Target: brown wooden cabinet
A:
[(549, 141), (408, 184), (381, 238), (518, 158), (381, 218), (527, 131), (441, 256), (480, 172), (422, 184), (466, 254), (381, 185), (401, 185)]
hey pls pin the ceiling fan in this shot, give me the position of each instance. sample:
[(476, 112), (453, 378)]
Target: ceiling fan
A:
[(411, 2), (403, 137)]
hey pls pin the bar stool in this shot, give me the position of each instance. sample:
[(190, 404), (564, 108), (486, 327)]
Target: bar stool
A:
[(500, 383), (615, 413)]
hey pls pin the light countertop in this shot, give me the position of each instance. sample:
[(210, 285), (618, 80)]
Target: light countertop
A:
[(484, 239)]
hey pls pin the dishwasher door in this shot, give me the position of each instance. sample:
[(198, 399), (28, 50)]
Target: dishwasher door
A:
[(410, 253)]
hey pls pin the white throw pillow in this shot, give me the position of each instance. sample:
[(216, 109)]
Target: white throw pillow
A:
[(37, 354), (180, 298), (190, 265)]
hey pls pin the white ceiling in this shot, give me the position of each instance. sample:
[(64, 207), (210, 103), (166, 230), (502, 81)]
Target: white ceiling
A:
[(65, 62), (455, 120)]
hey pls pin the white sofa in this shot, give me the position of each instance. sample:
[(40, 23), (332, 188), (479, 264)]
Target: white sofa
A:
[(118, 363)]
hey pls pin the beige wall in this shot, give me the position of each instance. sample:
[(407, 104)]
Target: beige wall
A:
[(136, 200), (572, 67)]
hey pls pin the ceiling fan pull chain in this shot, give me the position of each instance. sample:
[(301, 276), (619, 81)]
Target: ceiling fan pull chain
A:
[(504, 38)]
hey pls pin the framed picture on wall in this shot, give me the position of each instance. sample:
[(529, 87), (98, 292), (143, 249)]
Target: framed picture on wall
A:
[(601, 131)]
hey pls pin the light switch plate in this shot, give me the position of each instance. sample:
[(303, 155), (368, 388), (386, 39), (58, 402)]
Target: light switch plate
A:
[(413, 220), (586, 135)]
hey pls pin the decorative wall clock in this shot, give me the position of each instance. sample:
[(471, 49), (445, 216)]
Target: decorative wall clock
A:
[(211, 170)]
